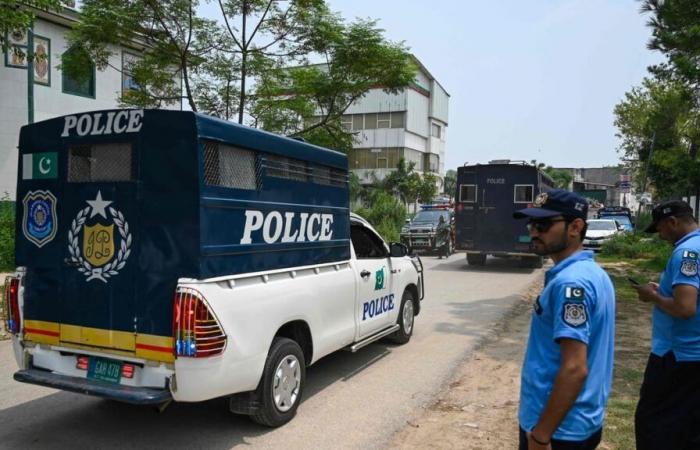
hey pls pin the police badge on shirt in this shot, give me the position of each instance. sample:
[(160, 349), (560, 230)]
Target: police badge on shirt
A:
[(574, 310), (689, 263)]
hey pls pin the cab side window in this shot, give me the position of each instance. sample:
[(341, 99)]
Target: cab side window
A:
[(366, 243)]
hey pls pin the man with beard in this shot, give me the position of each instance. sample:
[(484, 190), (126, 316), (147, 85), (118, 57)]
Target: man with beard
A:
[(668, 412), (568, 365)]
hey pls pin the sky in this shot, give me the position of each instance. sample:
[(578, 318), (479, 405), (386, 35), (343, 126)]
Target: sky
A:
[(534, 79)]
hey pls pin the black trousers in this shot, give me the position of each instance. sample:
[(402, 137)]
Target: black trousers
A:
[(589, 443), (668, 412)]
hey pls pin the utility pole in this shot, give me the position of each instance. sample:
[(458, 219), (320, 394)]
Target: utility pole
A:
[(30, 74), (646, 174)]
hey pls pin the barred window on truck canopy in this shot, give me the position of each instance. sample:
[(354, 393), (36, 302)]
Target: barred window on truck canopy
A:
[(298, 170), (100, 162), (523, 193), (467, 193), (231, 167)]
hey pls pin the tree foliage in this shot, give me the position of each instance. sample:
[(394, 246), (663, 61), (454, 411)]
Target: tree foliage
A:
[(449, 186), (16, 15), (386, 213), (658, 122), (562, 178), (251, 65)]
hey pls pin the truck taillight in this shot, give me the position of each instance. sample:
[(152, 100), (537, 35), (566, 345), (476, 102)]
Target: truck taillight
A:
[(196, 331), (12, 320)]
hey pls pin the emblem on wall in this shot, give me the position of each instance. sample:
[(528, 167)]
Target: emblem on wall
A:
[(98, 258), (39, 218)]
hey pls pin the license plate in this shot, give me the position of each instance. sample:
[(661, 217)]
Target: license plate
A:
[(104, 370)]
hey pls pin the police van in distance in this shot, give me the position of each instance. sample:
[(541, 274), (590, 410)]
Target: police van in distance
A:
[(168, 255), (486, 197)]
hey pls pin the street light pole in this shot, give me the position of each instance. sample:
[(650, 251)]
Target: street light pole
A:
[(30, 74), (646, 173)]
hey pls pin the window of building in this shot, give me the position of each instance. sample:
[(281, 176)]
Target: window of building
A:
[(397, 119), (414, 156), (370, 121), (382, 162), (467, 193), (357, 121), (129, 61), (384, 120), (346, 122), (82, 81), (523, 193), (431, 162), (435, 130)]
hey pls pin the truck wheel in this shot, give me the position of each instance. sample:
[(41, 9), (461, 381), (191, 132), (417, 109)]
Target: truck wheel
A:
[(405, 320), (282, 383)]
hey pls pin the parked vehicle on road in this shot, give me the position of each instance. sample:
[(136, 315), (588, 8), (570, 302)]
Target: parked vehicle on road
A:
[(599, 231), (486, 197), (622, 214), (431, 230), (168, 255)]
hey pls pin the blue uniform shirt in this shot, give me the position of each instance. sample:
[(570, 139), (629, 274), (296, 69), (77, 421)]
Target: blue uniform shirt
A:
[(668, 332), (577, 302)]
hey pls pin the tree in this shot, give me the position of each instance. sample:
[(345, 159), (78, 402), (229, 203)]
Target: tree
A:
[(356, 59), (18, 16), (427, 188), (562, 178), (450, 183), (239, 66)]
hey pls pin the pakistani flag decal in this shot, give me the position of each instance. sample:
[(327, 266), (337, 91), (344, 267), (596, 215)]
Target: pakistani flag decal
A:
[(379, 279), (689, 265), (575, 293), (37, 166)]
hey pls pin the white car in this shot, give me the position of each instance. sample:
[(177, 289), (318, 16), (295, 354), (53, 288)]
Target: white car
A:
[(599, 231)]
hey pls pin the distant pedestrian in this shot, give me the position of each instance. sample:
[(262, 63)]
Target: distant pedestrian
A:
[(668, 412), (567, 372)]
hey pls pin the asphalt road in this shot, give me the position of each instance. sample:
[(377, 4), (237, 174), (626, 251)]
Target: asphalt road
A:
[(351, 400)]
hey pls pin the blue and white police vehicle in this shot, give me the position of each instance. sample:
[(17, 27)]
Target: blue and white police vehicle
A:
[(168, 255)]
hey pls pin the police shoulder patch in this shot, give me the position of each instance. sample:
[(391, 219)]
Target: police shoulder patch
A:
[(575, 314), (689, 267)]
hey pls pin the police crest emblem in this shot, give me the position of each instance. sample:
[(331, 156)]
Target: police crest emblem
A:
[(689, 267), (97, 258), (39, 218), (540, 200), (574, 314)]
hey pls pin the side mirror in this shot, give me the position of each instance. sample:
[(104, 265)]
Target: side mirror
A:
[(397, 250), (408, 220), (620, 228)]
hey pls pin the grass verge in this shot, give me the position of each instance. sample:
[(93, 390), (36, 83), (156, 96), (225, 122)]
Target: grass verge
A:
[(632, 344)]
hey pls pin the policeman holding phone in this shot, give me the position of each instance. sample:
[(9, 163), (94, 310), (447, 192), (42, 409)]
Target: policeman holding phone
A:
[(567, 371), (668, 412)]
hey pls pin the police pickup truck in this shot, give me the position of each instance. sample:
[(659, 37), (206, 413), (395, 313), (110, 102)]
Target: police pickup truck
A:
[(431, 230), (167, 255)]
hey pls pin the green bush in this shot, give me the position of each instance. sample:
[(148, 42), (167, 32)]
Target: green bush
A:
[(638, 246), (7, 234), (386, 213)]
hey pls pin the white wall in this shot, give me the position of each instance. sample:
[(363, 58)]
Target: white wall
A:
[(418, 106), (376, 100), (380, 138), (440, 101), (49, 101)]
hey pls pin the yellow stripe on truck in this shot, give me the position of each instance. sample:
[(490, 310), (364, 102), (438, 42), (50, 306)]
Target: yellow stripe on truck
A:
[(96, 337), (41, 332)]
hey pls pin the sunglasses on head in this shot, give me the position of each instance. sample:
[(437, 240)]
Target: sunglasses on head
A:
[(542, 225)]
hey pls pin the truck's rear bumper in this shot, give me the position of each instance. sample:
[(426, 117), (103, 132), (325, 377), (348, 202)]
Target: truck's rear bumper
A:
[(127, 394)]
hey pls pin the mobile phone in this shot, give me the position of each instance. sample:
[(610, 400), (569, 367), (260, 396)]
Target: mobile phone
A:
[(633, 281)]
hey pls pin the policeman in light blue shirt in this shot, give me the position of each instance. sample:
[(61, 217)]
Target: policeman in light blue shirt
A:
[(567, 373), (668, 412)]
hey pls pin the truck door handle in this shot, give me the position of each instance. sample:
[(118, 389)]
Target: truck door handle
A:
[(365, 273)]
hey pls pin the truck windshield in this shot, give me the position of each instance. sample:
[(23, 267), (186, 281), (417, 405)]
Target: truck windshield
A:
[(429, 216)]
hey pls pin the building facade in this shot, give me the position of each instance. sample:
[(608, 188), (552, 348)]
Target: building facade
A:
[(55, 92), (411, 124)]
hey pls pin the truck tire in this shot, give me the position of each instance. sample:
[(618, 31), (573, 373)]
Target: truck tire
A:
[(532, 262), (282, 383), (476, 259), (405, 319)]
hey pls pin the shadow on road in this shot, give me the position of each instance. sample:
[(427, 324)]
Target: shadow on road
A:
[(67, 420)]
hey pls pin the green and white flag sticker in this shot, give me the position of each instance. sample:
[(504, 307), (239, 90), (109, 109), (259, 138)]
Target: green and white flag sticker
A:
[(36, 166), (575, 293)]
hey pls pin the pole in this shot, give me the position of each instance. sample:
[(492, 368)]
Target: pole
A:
[(646, 173), (30, 74)]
